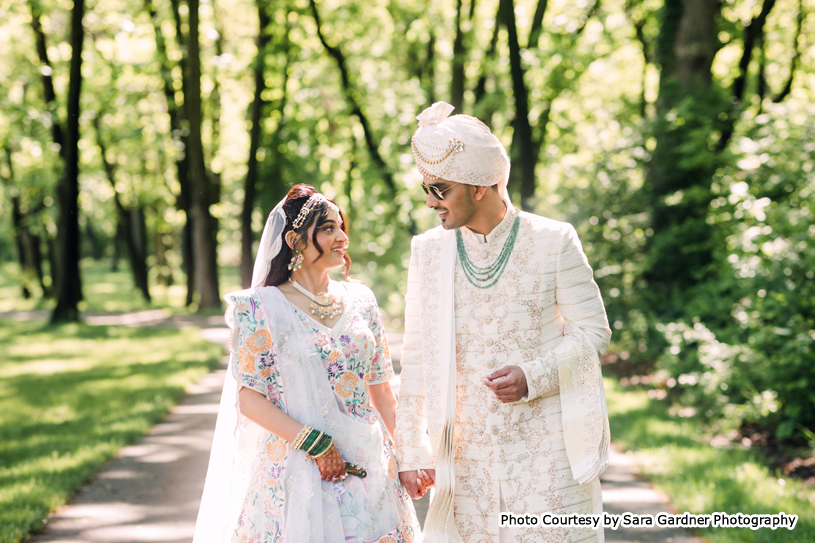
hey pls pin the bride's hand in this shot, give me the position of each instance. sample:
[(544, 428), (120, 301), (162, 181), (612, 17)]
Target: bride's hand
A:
[(332, 466)]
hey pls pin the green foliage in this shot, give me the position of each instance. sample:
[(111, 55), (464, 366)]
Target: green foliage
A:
[(700, 478), (71, 396), (681, 229)]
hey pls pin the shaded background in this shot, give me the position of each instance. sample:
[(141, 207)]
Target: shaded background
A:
[(144, 142)]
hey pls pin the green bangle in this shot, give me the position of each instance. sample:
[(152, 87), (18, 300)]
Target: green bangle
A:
[(323, 453), (322, 446), (309, 441), (317, 442)]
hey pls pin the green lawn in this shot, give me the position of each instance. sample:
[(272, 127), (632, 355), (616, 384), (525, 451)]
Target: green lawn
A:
[(105, 290), (72, 396), (699, 478)]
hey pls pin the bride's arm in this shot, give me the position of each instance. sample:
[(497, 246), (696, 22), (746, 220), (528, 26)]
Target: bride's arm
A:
[(383, 400), (267, 415), (261, 411)]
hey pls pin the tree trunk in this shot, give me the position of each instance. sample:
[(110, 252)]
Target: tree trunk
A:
[(256, 112), (487, 68), (459, 54), (681, 248), (69, 284), (47, 71), (205, 227), (18, 230), (184, 198), (130, 224), (526, 158), (430, 68)]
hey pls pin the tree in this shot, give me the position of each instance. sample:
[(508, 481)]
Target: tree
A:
[(67, 277), (26, 241), (204, 193), (183, 200), (131, 220)]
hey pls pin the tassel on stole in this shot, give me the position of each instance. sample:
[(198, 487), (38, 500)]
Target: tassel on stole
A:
[(440, 524)]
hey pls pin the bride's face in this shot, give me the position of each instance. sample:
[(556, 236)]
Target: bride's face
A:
[(331, 239)]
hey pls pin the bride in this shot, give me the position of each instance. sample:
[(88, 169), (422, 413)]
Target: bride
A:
[(302, 450)]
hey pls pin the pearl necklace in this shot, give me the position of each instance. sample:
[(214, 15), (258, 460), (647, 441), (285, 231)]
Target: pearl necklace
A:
[(324, 305)]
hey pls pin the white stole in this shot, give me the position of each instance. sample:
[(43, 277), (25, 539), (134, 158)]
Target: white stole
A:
[(440, 525)]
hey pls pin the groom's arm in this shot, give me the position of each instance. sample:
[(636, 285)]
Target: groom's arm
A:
[(412, 442), (580, 303)]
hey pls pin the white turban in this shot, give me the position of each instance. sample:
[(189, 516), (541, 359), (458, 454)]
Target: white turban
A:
[(458, 148)]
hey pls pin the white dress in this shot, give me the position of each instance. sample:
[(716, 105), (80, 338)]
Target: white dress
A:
[(354, 353)]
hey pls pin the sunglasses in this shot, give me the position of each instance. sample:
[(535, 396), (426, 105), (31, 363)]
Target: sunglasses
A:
[(437, 193)]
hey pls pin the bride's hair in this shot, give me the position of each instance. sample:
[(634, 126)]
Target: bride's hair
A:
[(295, 200)]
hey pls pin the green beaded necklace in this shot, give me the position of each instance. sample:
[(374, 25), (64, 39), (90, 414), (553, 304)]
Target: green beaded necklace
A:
[(489, 275)]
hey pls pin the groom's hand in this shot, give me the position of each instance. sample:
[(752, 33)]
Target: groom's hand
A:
[(508, 383), (417, 482)]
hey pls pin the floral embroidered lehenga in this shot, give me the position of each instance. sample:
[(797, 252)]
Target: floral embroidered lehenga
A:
[(285, 354)]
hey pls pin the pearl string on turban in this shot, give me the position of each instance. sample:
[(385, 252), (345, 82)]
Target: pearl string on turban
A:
[(459, 148)]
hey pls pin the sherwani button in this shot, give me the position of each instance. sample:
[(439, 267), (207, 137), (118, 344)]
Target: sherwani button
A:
[(488, 342), (490, 364), (486, 298), (487, 320), (495, 431), (483, 254), (493, 409)]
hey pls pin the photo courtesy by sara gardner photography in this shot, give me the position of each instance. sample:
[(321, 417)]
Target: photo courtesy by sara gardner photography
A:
[(497, 271)]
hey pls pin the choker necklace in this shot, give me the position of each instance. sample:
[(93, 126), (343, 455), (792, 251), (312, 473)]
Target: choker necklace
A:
[(324, 305)]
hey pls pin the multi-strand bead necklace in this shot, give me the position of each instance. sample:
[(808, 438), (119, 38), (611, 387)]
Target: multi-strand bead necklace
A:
[(487, 276)]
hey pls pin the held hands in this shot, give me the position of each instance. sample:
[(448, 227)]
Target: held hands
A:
[(417, 482), (332, 466), (508, 383)]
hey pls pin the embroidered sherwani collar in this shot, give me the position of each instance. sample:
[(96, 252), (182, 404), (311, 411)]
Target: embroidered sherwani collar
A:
[(498, 233)]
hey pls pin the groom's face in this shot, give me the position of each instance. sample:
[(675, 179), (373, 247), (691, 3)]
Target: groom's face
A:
[(457, 205)]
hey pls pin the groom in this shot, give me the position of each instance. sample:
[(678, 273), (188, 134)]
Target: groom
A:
[(501, 404)]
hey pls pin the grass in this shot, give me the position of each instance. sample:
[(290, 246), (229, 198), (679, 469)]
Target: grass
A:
[(106, 290), (674, 455), (72, 396)]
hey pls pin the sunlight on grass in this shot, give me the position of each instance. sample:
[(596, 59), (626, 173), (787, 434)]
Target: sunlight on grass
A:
[(106, 290), (72, 396), (673, 454)]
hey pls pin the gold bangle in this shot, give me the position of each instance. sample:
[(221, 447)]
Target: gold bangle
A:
[(297, 438), (301, 436), (324, 453)]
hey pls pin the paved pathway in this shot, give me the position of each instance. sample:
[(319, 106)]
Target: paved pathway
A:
[(150, 492)]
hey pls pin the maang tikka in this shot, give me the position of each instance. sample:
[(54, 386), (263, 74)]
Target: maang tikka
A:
[(296, 261)]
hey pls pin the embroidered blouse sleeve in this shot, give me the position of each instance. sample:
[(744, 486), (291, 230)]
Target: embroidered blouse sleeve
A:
[(252, 357), (381, 369)]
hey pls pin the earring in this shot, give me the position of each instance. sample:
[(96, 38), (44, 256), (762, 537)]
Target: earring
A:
[(296, 261)]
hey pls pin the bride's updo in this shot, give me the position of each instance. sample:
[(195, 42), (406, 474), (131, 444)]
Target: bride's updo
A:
[(295, 200)]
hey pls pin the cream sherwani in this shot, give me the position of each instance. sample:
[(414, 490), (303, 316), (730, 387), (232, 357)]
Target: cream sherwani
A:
[(516, 451)]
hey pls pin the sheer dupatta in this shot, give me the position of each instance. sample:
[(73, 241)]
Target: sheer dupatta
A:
[(313, 508)]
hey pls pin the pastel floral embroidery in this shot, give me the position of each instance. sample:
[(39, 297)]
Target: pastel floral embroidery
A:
[(346, 384), (246, 360), (276, 450), (259, 342), (353, 357)]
